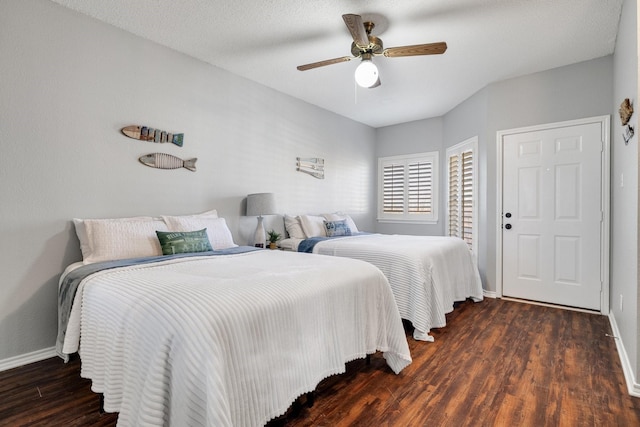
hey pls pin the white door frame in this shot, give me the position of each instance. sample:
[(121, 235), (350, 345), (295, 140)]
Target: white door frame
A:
[(605, 202)]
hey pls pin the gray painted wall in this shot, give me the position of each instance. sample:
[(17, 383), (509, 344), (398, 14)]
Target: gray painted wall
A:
[(70, 83), (572, 92), (419, 136), (624, 199)]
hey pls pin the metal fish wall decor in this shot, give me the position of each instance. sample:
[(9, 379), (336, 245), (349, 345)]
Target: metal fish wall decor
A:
[(144, 133), (167, 161)]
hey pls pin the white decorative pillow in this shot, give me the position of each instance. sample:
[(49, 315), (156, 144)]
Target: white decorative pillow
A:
[(337, 228), (213, 213), (293, 227), (313, 225), (219, 234), (81, 232), (118, 238), (340, 216)]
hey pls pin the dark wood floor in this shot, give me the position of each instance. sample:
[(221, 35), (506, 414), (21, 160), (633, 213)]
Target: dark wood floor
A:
[(497, 363)]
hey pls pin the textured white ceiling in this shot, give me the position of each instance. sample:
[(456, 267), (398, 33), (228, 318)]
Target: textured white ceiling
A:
[(488, 41)]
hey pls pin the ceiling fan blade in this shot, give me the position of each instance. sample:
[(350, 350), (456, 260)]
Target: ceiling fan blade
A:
[(357, 30), (323, 63), (417, 49)]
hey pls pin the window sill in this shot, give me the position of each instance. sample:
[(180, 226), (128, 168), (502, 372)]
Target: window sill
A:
[(406, 221)]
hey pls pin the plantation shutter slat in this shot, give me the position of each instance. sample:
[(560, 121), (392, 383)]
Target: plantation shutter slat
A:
[(453, 196), (420, 187), (461, 203), (393, 189), (467, 197)]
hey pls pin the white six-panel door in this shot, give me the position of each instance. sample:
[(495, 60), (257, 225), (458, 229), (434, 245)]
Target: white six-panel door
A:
[(552, 215)]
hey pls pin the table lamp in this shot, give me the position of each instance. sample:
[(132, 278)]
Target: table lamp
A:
[(259, 204)]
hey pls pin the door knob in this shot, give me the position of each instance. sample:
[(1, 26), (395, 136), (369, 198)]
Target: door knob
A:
[(507, 226), (508, 214)]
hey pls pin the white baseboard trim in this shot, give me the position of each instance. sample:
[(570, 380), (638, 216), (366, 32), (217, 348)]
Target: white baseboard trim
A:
[(632, 386), (25, 359), (489, 294)]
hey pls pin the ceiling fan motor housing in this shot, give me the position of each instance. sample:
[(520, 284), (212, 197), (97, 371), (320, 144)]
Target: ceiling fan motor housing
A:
[(374, 47)]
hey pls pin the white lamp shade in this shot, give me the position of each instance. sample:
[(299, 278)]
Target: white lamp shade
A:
[(261, 204), (366, 73)]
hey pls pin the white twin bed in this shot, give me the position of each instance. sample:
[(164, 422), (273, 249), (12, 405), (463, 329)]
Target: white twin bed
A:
[(229, 337), (427, 274)]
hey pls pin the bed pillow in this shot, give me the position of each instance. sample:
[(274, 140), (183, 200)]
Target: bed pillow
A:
[(183, 242), (312, 225), (339, 216), (118, 238), (81, 232), (293, 227), (213, 213), (337, 228), (217, 231)]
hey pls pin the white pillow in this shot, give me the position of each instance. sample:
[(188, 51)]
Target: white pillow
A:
[(118, 238), (338, 216), (313, 225), (213, 213), (81, 232), (219, 234), (293, 227)]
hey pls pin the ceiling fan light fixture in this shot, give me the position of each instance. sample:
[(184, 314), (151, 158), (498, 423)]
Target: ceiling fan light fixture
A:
[(365, 46), (367, 73)]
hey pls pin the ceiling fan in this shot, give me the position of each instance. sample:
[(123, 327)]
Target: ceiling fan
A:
[(365, 46)]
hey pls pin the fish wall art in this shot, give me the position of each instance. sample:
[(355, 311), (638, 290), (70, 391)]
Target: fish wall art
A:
[(167, 161), (144, 133)]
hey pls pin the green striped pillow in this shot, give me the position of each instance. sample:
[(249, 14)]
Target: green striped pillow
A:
[(183, 242)]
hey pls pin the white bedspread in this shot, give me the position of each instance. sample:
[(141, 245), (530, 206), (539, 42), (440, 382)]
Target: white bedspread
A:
[(427, 273), (230, 340)]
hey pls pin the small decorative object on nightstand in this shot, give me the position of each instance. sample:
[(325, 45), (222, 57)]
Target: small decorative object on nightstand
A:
[(273, 237), (259, 204)]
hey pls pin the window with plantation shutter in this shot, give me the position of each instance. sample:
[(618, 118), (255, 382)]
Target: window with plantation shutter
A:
[(408, 188), (393, 184), (461, 197)]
